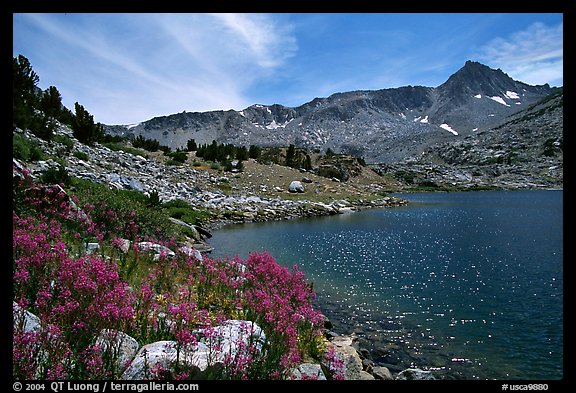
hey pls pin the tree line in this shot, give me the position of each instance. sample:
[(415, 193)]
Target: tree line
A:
[(36, 109)]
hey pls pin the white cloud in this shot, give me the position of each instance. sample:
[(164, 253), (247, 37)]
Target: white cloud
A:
[(534, 55), (266, 41), (133, 64)]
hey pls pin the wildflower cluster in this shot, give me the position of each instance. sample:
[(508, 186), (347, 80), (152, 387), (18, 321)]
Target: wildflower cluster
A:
[(280, 301), (149, 288)]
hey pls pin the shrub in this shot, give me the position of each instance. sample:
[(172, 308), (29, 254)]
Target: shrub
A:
[(81, 155), (56, 175), (25, 149)]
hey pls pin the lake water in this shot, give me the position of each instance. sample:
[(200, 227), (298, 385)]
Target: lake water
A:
[(467, 284)]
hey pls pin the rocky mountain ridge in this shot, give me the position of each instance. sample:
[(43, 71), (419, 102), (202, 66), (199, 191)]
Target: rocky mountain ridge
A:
[(523, 151), (382, 126)]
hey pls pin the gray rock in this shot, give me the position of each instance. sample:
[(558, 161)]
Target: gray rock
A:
[(415, 374), (296, 186), (91, 248), (24, 318), (158, 249), (192, 252), (165, 354), (380, 372), (364, 376), (234, 334), (308, 371), (122, 347), (350, 357)]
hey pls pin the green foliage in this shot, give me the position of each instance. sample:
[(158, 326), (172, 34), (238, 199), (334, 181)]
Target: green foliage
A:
[(26, 102), (81, 155), (118, 146), (191, 145), (64, 140), (178, 156), (154, 199), (132, 210), (145, 143), (291, 159), (25, 149), (84, 128), (242, 153), (51, 105), (125, 287), (405, 176), (165, 149), (221, 153), (254, 152), (35, 110), (24, 99), (179, 203), (552, 146), (307, 163), (56, 175), (107, 138), (270, 156)]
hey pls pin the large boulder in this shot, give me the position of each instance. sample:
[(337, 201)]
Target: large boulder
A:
[(218, 344), (351, 359), (121, 346), (233, 335), (163, 356), (381, 372), (296, 186)]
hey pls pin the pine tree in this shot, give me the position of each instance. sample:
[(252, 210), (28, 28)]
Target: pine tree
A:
[(241, 153), (24, 81), (191, 145), (25, 100), (84, 128), (291, 159), (51, 105), (254, 152)]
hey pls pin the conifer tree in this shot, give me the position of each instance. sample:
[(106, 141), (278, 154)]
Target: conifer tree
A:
[(25, 100), (84, 128), (51, 105), (291, 159)]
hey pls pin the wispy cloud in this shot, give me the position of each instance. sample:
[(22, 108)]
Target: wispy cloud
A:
[(167, 62), (534, 55), (267, 42)]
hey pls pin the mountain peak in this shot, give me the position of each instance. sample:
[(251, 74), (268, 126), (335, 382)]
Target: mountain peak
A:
[(477, 78)]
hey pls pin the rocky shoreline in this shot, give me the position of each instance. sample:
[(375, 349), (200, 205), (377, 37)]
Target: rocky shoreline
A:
[(200, 188)]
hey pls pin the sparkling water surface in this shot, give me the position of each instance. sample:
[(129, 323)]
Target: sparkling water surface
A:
[(467, 284)]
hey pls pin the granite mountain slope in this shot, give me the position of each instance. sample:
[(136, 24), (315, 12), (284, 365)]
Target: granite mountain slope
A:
[(382, 126)]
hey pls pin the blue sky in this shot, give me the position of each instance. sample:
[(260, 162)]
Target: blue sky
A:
[(127, 68)]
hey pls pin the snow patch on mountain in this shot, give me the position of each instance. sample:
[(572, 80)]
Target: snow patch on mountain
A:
[(448, 128), (274, 125), (512, 95), (499, 100)]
